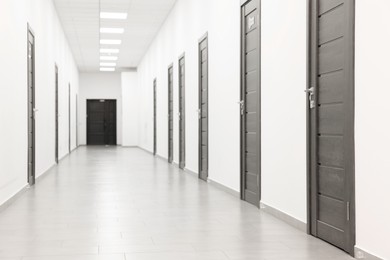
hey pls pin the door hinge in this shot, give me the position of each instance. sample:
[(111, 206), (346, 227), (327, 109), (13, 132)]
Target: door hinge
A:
[(348, 211)]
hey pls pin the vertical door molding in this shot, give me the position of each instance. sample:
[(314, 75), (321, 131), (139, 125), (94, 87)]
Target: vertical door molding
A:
[(56, 115), (155, 116)]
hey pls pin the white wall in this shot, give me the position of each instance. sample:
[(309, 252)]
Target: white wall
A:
[(99, 85), (187, 23), (283, 63), (372, 139), (130, 108), (284, 155), (51, 48)]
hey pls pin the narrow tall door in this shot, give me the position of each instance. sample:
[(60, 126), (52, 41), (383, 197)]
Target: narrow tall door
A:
[(250, 102), (155, 116), (69, 120), (182, 115), (31, 107), (331, 122), (101, 122), (170, 114), (203, 109), (56, 116)]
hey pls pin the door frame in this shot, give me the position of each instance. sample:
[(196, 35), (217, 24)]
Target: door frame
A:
[(170, 148), (31, 178), (311, 147), (155, 116), (56, 152), (182, 115), (202, 39), (242, 95)]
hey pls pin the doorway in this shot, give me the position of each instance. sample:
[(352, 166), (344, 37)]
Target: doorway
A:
[(331, 177), (154, 116), (182, 114), (250, 102), (31, 106), (56, 116), (101, 122), (203, 109), (170, 114)]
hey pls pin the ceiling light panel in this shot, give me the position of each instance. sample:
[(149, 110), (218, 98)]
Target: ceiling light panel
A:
[(109, 58), (111, 15), (107, 69), (110, 42), (107, 64), (112, 30), (109, 50)]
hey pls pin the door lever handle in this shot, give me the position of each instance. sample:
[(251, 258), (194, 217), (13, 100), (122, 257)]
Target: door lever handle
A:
[(310, 92)]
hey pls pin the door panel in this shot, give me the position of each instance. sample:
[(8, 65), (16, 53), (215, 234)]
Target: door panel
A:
[(155, 116), (250, 102), (101, 122), (31, 107), (331, 115), (203, 108), (170, 114), (182, 161)]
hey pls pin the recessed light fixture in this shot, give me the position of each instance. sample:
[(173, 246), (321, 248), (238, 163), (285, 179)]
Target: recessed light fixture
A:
[(107, 64), (110, 58), (112, 15), (112, 30), (107, 69), (109, 50), (110, 41)]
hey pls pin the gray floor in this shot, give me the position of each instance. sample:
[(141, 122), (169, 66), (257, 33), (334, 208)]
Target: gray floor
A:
[(122, 203)]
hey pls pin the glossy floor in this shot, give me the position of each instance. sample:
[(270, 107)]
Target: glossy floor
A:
[(122, 203)]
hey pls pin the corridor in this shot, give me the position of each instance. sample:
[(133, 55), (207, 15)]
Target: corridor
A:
[(112, 203)]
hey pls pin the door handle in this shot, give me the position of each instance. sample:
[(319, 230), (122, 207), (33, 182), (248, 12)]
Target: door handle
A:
[(310, 92), (242, 107), (199, 114)]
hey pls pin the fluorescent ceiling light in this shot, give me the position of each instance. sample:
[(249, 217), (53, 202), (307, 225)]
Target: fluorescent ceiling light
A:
[(112, 30), (112, 15), (111, 58), (109, 41), (109, 50), (107, 64), (107, 69)]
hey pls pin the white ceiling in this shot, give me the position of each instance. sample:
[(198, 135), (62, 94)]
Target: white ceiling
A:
[(81, 22)]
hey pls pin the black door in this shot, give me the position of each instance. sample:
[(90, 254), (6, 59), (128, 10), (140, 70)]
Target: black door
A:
[(250, 102), (331, 122), (31, 106), (182, 114), (155, 116), (101, 122), (56, 114), (170, 114), (203, 109)]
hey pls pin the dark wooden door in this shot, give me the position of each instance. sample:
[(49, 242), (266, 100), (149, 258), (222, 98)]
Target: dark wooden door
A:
[(250, 102), (101, 122), (331, 122), (170, 114), (155, 116), (31, 106), (182, 115), (56, 115), (203, 109)]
